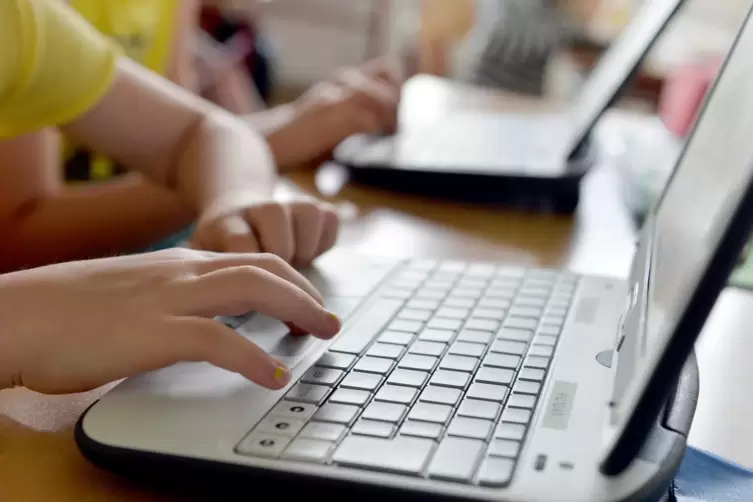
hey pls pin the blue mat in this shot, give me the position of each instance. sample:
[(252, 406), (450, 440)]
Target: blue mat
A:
[(704, 477)]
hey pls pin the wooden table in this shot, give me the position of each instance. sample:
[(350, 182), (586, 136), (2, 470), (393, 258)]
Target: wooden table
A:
[(38, 457)]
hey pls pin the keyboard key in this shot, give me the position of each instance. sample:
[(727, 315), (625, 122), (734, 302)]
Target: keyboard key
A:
[(385, 350), (495, 303), (422, 429), (395, 338), (525, 387), (377, 365), (409, 378), (498, 376), (493, 314), (301, 411), (510, 271), (336, 360), (496, 472), (403, 454), (424, 304), (459, 363), (385, 412), (445, 324), (472, 293), (428, 348), (548, 330), (534, 291), (488, 392), (530, 301), (322, 376), (323, 431), (306, 393), (310, 450), (282, 426), (337, 413), (540, 362), (508, 347), (428, 412), (516, 416), (506, 430), (497, 360), (461, 303), (521, 323), (430, 294), (554, 310), (553, 320), (482, 325), (452, 313), (396, 394), (440, 395), (359, 335), (546, 340), (474, 408), (467, 349), (350, 396), (440, 284), (504, 448), (473, 428), (469, 335), (436, 335), (532, 312), (481, 270), (406, 326), (371, 428), (414, 315), (472, 282), (422, 265), (417, 362), (263, 445), (362, 381), (515, 335), (456, 459), (532, 374), (449, 378), (522, 401)]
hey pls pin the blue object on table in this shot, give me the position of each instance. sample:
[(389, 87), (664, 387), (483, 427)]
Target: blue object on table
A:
[(172, 241), (704, 477)]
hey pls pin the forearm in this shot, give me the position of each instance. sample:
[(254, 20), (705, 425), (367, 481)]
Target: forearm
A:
[(91, 220)]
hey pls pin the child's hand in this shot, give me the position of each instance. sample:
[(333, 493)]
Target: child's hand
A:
[(76, 326), (297, 231), (363, 100)]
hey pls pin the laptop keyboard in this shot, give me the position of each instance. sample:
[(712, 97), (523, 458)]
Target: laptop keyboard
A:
[(439, 378)]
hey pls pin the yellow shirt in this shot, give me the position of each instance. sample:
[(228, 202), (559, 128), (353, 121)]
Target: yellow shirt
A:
[(53, 65)]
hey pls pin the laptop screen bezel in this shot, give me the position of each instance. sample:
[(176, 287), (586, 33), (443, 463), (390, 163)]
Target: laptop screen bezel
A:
[(577, 142), (635, 428)]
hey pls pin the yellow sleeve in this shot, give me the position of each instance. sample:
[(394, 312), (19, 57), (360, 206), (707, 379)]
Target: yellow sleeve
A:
[(54, 66)]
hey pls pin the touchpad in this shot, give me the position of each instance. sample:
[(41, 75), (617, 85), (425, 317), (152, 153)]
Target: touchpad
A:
[(275, 338)]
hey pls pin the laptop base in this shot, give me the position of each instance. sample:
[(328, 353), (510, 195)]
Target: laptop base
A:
[(200, 479)]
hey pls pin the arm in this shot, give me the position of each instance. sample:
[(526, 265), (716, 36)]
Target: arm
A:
[(44, 221)]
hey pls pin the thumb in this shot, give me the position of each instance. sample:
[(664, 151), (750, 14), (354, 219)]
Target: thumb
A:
[(198, 339)]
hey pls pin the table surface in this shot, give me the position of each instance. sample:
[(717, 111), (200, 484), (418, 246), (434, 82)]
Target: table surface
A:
[(38, 457)]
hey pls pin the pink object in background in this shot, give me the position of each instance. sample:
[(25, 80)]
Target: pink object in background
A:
[(683, 95)]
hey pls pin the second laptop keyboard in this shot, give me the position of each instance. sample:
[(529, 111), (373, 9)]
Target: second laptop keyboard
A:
[(439, 377)]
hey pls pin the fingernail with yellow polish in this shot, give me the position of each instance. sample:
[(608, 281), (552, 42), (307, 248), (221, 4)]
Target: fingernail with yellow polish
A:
[(337, 324), (281, 373)]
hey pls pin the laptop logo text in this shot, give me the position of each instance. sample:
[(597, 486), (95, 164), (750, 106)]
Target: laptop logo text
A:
[(560, 405)]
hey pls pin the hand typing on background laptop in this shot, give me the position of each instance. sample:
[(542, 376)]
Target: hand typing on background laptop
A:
[(77, 326)]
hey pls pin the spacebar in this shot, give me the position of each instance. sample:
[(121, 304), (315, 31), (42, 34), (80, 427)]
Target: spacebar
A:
[(403, 455), (358, 335)]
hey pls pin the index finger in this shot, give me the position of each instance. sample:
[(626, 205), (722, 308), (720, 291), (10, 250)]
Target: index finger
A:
[(238, 290)]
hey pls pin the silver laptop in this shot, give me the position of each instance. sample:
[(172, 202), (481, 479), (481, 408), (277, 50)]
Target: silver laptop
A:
[(468, 381), (520, 144)]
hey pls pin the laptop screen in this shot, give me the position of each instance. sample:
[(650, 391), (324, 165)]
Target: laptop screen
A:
[(615, 67), (707, 185)]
